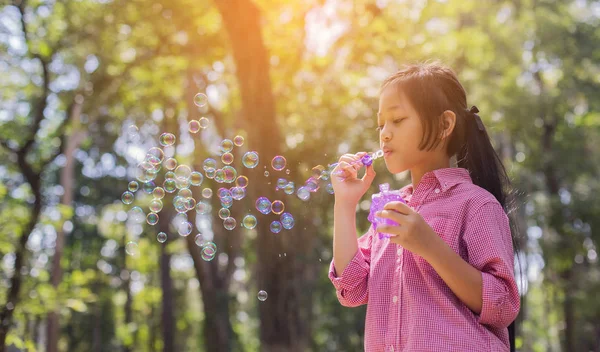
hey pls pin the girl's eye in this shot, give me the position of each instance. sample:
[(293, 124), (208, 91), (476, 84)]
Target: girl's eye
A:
[(398, 120), (379, 128)]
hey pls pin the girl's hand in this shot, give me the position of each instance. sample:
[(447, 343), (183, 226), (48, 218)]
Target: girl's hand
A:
[(347, 186), (413, 233)]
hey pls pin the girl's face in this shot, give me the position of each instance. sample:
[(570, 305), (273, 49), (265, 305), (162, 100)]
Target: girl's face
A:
[(400, 133)]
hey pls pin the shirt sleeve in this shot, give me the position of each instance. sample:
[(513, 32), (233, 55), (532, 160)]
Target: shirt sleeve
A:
[(351, 286), (489, 246)]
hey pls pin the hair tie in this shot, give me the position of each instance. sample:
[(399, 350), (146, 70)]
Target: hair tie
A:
[(473, 112)]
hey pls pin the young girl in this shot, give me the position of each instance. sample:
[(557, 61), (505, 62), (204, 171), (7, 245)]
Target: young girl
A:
[(444, 281)]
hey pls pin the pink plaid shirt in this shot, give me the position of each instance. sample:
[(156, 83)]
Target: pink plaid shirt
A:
[(409, 306)]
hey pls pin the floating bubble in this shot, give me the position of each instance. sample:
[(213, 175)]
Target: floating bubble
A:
[(281, 183), (200, 99), (241, 181), (169, 185), (207, 193), (131, 248), (224, 213), (185, 228), (312, 185), (287, 221), (317, 171), (230, 174), (329, 188), (180, 204), (152, 218), (190, 203), (303, 193), (211, 173), (132, 130), (227, 202), (136, 214), (185, 193), (203, 122), (227, 158), (127, 197), (182, 183), (156, 206), (278, 163), (209, 250), (155, 155), (238, 193), (229, 223), (158, 193), (262, 295), (223, 192), (220, 176), (133, 186), (203, 208), (170, 175), (166, 139), (199, 240), (238, 140), (170, 164), (209, 163), (196, 178), (149, 187), (266, 173), (194, 126), (249, 222), (226, 145), (263, 205), (183, 172), (277, 207), (276, 226), (161, 237), (250, 160), (289, 188)]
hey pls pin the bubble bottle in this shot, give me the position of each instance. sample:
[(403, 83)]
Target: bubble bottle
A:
[(378, 201)]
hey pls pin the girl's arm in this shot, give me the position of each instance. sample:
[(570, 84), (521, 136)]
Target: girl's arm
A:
[(345, 243)]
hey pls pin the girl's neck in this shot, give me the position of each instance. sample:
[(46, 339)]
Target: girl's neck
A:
[(418, 171)]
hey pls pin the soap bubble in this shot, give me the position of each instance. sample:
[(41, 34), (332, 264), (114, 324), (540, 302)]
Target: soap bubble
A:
[(133, 186), (182, 183), (199, 240), (226, 145), (158, 193), (136, 214), (263, 205), (169, 185), (329, 188), (276, 226), (209, 163), (250, 160), (161, 237), (196, 178), (262, 295), (230, 174), (190, 203), (207, 193), (229, 223), (281, 183), (289, 188), (211, 173), (203, 208), (227, 202), (185, 193), (170, 175), (238, 141), (132, 130), (238, 193), (277, 207), (183, 172), (266, 173), (180, 204), (127, 197), (249, 222), (131, 248), (223, 192), (149, 187), (317, 171), (224, 213), (194, 126), (220, 176), (287, 220), (152, 218), (278, 163), (227, 158), (185, 228), (155, 156), (287, 172), (209, 250), (156, 206), (203, 122), (200, 99), (303, 193), (241, 181), (166, 139), (312, 185)]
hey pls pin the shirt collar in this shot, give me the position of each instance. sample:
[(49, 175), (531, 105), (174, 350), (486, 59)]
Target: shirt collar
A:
[(446, 177)]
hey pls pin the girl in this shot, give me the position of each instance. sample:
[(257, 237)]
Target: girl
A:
[(444, 281)]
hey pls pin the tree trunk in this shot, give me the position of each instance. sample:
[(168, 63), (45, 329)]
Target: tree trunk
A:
[(166, 283)]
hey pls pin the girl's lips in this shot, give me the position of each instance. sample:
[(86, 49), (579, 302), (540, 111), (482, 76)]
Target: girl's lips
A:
[(387, 153)]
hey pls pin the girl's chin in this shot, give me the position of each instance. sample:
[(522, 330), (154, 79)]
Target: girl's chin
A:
[(394, 168)]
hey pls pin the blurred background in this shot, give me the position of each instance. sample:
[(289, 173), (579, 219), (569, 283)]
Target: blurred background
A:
[(88, 86)]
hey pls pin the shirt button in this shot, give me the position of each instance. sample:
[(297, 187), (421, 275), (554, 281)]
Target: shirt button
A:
[(391, 348), (437, 190), (395, 299), (399, 251)]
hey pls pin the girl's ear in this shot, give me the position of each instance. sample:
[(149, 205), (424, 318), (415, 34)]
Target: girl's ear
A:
[(448, 122)]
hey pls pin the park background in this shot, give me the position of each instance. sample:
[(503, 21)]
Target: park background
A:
[(298, 79)]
